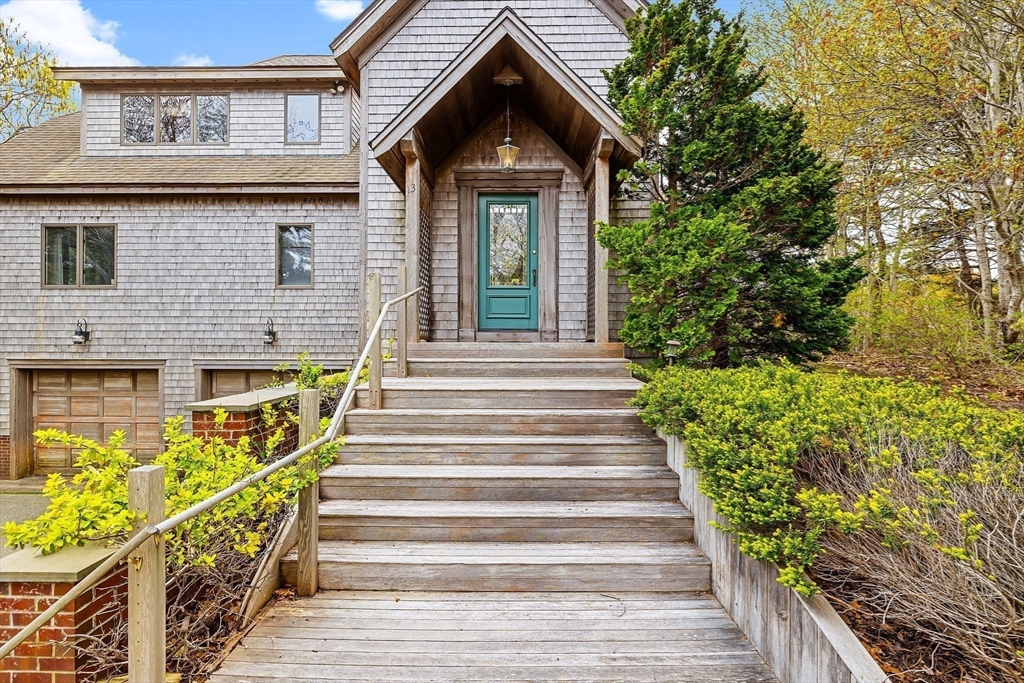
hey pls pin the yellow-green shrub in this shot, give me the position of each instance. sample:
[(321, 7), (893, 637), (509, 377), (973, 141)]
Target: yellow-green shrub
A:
[(752, 431), (93, 505)]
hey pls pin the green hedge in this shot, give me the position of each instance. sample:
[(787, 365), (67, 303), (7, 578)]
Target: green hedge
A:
[(753, 432)]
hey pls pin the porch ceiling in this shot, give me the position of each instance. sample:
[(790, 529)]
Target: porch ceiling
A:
[(460, 101)]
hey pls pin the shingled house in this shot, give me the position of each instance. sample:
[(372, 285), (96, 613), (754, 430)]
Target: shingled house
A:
[(192, 227)]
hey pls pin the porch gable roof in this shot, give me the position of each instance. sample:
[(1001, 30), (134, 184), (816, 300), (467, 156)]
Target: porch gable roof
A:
[(463, 96)]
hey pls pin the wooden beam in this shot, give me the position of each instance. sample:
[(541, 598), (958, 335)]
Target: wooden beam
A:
[(147, 595), (602, 214), (307, 582)]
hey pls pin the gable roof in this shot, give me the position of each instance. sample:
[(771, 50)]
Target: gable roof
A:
[(388, 16), (47, 160), (552, 81)]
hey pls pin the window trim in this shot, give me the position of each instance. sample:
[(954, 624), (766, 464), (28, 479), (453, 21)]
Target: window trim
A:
[(79, 255), (319, 118), (194, 108), (277, 254)]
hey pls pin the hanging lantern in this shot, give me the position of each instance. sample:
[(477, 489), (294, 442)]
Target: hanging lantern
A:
[(508, 154)]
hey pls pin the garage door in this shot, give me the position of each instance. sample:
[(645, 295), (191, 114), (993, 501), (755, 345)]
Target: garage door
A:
[(95, 404), (230, 382)]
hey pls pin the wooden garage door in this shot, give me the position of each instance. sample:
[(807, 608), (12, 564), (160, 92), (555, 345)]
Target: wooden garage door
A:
[(230, 382), (95, 404)]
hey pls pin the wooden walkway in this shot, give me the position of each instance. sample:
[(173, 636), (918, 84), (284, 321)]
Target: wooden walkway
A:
[(341, 636)]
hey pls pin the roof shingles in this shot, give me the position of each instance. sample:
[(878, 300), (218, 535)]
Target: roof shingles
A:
[(48, 158)]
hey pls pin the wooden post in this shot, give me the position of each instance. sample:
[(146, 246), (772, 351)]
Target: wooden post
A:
[(376, 363), (402, 335), (602, 214), (147, 597), (309, 498)]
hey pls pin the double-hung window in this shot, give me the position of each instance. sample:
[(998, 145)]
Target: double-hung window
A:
[(79, 256), (295, 256), (174, 119)]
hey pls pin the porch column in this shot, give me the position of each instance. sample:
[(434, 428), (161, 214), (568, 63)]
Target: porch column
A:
[(413, 176), (602, 214)]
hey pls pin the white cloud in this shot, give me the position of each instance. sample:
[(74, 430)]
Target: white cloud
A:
[(339, 10), (190, 59), (71, 31)]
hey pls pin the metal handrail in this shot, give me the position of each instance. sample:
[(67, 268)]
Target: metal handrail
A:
[(163, 527)]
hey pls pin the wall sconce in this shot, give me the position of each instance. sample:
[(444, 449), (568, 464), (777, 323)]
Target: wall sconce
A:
[(337, 88), (82, 333), (672, 350), (269, 334)]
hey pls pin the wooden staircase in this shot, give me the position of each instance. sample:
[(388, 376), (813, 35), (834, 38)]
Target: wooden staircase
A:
[(520, 468), (504, 517)]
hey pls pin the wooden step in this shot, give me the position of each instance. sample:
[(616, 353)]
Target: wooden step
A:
[(621, 421), (503, 392), (445, 637), (425, 350), (493, 521), (498, 482), (369, 449), (368, 565), (518, 367)]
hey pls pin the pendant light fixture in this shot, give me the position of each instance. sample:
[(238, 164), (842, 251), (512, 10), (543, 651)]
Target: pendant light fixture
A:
[(508, 154)]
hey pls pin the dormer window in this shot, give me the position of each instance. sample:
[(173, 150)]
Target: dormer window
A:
[(138, 119), (174, 119)]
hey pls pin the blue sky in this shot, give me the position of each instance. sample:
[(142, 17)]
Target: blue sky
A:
[(197, 32)]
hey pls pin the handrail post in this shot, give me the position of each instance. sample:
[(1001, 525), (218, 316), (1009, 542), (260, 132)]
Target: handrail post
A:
[(376, 363), (147, 597), (402, 334), (309, 497)]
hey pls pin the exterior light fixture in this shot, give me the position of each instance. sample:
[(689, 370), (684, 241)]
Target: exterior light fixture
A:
[(672, 350), (508, 153), (81, 334), (269, 334), (337, 88)]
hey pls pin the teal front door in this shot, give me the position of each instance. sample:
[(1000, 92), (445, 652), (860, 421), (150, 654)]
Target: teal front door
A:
[(508, 262)]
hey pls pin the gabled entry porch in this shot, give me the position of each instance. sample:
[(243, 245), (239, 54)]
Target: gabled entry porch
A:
[(506, 256)]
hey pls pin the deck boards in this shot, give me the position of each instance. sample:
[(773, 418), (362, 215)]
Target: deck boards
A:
[(414, 637)]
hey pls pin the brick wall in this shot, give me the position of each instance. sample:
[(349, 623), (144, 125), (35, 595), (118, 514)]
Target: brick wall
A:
[(48, 657), (248, 424), (5, 457)]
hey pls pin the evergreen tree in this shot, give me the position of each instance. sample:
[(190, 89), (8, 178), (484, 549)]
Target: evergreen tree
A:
[(729, 262)]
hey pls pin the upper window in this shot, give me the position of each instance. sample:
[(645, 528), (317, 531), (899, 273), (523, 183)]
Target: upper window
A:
[(302, 118), (79, 256), (211, 118), (138, 115), (294, 256), (174, 119)]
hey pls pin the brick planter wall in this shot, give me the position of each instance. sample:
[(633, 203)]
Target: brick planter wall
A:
[(5, 457), (245, 418), (47, 657), (248, 424)]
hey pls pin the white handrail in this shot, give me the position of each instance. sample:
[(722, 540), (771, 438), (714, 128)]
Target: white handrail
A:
[(199, 508)]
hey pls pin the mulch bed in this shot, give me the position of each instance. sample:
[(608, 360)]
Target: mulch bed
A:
[(902, 652)]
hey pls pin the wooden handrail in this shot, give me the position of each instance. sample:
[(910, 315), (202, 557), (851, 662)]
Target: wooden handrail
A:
[(167, 525)]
